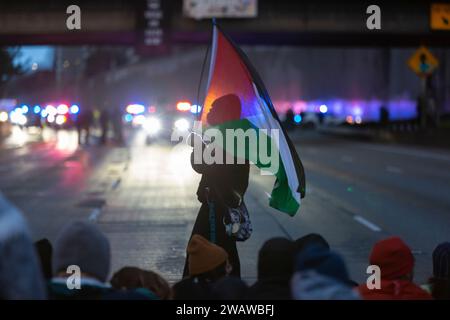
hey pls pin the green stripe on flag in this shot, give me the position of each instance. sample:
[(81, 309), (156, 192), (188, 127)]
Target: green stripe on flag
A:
[(281, 197)]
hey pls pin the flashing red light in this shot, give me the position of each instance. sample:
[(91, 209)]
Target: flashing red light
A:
[(349, 119), (62, 109), (183, 106)]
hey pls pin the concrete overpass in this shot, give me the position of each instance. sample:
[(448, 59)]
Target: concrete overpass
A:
[(279, 22)]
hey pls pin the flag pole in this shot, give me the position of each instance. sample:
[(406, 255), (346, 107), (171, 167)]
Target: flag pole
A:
[(203, 71)]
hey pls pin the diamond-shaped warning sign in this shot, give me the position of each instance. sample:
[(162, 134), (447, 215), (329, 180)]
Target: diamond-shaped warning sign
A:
[(423, 62), (440, 16)]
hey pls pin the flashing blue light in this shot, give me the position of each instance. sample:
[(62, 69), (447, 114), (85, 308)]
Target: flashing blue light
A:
[(24, 108), (195, 109), (323, 109), (74, 109), (128, 117), (297, 118), (37, 109)]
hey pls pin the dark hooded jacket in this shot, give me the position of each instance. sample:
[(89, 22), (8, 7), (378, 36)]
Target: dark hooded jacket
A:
[(275, 268), (227, 183)]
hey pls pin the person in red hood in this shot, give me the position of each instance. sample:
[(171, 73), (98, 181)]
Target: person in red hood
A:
[(396, 263)]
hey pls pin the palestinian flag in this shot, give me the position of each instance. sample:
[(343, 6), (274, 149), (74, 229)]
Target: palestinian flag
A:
[(230, 75)]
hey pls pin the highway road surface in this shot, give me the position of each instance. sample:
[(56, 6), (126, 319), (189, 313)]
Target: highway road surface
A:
[(143, 197)]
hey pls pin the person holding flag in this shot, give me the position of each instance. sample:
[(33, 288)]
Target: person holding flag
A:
[(221, 187), (236, 99)]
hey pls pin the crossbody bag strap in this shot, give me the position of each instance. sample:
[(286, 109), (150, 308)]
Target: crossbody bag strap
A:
[(212, 218)]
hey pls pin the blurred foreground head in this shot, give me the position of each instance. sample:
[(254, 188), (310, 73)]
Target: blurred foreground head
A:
[(441, 261), (396, 263), (20, 274), (82, 244), (44, 250), (321, 275), (394, 258), (135, 278), (323, 261), (275, 259), (229, 288), (206, 260), (310, 239), (440, 282)]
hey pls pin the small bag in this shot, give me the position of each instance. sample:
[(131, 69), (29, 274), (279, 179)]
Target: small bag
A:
[(237, 223)]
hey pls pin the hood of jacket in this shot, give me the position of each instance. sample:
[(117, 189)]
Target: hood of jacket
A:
[(394, 290), (310, 285)]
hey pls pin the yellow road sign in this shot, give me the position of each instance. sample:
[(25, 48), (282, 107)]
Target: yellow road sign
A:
[(440, 16), (423, 62)]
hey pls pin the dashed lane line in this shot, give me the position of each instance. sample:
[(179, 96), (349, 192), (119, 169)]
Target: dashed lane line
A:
[(393, 169), (367, 223)]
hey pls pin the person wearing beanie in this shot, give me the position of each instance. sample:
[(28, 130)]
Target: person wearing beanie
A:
[(83, 245), (439, 283), (396, 263), (205, 257), (321, 274), (309, 239), (207, 264), (323, 261), (275, 268), (145, 281)]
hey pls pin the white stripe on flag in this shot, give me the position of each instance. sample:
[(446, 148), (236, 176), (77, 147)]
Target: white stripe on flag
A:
[(270, 123)]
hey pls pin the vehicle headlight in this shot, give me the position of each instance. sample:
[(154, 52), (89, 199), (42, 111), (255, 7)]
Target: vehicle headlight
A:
[(152, 125), (3, 116), (182, 125), (18, 118), (139, 120), (22, 120), (60, 119)]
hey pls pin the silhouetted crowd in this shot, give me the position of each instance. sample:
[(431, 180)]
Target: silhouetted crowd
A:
[(77, 266)]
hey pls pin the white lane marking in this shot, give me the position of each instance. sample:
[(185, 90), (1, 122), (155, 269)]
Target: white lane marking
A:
[(116, 184), (94, 214), (367, 223), (347, 159), (393, 169), (268, 195), (412, 152)]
